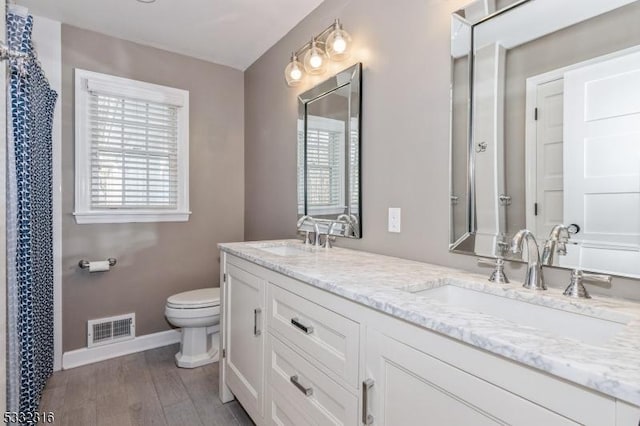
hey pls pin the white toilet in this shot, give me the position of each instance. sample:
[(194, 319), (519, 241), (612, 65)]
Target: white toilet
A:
[(197, 312)]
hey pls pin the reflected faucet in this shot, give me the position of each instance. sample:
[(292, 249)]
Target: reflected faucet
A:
[(329, 237), (351, 221), (557, 243), (346, 219), (316, 229), (533, 279)]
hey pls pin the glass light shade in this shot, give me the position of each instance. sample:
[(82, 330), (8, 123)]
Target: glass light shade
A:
[(315, 60), (294, 72), (338, 44)]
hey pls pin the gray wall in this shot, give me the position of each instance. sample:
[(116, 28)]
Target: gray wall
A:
[(155, 260), (405, 138)]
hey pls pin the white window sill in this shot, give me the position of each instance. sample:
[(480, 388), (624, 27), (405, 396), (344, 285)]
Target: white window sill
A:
[(129, 217), (325, 210)]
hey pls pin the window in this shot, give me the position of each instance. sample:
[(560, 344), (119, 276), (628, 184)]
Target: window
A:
[(325, 166), (132, 150)]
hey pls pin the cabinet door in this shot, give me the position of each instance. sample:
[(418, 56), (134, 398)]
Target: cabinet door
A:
[(413, 388), (244, 334), (627, 414)]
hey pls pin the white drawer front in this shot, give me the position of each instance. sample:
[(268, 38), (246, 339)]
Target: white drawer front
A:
[(329, 338), (317, 396), (282, 413)]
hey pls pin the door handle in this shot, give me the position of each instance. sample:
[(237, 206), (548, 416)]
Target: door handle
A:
[(256, 331), (307, 329), (367, 418), (307, 391)]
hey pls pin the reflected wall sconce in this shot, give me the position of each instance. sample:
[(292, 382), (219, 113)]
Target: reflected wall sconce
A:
[(332, 44)]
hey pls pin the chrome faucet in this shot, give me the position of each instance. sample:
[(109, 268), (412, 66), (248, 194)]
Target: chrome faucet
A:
[(534, 279), (316, 229), (556, 244)]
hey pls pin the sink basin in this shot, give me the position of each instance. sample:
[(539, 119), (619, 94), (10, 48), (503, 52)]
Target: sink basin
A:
[(284, 250), (585, 328)]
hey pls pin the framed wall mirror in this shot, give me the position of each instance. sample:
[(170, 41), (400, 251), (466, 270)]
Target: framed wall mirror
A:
[(546, 129), (329, 188)]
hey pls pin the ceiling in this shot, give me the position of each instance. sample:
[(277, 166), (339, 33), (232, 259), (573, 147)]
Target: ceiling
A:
[(227, 32)]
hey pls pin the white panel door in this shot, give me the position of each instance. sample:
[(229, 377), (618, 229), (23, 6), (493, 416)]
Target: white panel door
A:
[(602, 164), (244, 334), (547, 207)]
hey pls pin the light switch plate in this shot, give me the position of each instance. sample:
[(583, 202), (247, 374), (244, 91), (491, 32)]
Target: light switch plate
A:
[(394, 219)]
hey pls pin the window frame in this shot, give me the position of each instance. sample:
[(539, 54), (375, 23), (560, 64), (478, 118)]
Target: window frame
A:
[(132, 89)]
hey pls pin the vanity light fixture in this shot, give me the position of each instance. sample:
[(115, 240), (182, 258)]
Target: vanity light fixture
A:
[(333, 43)]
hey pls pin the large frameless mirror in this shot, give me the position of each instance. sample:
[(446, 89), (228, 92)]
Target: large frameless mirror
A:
[(546, 129), (329, 155)]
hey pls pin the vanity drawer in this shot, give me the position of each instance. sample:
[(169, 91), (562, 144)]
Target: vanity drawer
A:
[(308, 389), (327, 337), (281, 412)]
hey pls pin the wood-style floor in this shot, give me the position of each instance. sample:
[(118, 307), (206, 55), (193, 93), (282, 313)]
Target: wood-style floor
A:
[(140, 389)]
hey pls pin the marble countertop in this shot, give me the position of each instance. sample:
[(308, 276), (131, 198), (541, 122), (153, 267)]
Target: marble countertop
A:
[(386, 284)]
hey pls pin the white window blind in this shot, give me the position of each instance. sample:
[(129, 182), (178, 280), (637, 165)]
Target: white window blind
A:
[(354, 168), (133, 153), (324, 171), (131, 150), (300, 175), (325, 166)]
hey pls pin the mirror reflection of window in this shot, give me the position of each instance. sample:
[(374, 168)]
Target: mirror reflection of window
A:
[(325, 166), (300, 166), (354, 169)]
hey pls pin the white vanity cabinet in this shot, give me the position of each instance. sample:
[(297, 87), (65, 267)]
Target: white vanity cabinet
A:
[(321, 359), (243, 330)]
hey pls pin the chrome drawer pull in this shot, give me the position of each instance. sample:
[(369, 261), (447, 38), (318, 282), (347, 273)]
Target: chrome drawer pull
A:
[(367, 418), (256, 332), (306, 328), (296, 383)]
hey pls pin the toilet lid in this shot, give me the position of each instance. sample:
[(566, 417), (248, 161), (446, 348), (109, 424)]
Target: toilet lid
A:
[(202, 298)]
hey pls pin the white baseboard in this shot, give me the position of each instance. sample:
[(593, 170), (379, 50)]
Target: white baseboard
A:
[(86, 356)]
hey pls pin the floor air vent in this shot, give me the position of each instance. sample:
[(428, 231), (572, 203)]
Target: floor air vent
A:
[(110, 330)]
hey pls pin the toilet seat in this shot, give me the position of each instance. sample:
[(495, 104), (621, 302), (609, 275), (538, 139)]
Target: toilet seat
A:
[(195, 299), (191, 313)]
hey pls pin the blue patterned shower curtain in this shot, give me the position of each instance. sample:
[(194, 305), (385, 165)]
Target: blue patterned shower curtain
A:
[(29, 207)]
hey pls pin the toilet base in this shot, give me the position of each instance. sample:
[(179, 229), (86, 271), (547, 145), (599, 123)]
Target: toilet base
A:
[(183, 361), (197, 348)]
